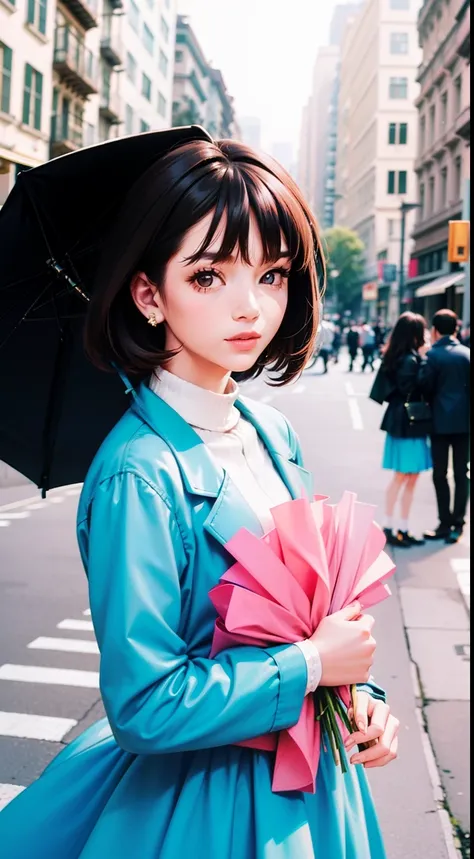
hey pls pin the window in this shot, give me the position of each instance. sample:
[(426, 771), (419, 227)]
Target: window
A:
[(129, 123), (134, 16), (391, 228), (399, 4), (131, 66), (391, 182), (399, 43), (36, 15), (6, 56), (422, 133), (32, 97), (458, 177), (178, 56), (458, 95), (146, 87), (432, 123), (402, 181), (144, 126), (403, 134), (163, 63), (148, 39), (444, 187), (422, 201), (398, 88), (444, 112), (392, 133), (164, 29), (161, 104), (431, 198)]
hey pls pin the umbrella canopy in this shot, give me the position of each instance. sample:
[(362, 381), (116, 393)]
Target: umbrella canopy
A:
[(55, 407)]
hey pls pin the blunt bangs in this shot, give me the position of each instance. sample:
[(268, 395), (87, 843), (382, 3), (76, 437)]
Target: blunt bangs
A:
[(235, 185)]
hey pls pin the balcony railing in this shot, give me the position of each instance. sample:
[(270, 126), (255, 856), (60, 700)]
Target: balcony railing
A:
[(74, 63), (111, 45), (110, 107), (85, 11), (463, 124), (66, 135)]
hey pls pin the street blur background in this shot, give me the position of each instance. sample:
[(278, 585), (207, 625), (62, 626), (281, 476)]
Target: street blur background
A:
[(367, 105)]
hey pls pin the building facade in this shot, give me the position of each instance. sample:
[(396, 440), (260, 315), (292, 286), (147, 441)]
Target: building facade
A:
[(442, 164), (377, 136), (199, 93), (77, 72)]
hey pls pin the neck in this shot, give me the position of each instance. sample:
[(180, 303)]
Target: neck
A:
[(199, 372)]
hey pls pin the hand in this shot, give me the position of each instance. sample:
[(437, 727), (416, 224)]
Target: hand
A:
[(346, 647), (376, 723)]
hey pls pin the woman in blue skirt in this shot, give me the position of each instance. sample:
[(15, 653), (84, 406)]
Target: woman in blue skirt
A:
[(407, 451), (210, 271)]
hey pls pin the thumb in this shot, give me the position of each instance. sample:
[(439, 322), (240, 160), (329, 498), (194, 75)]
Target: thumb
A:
[(351, 612)]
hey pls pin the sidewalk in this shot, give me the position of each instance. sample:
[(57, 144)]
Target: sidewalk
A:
[(434, 591)]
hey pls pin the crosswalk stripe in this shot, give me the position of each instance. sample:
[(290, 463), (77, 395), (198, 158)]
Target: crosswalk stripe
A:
[(55, 676), (77, 625), (8, 792), (30, 727), (87, 612), (68, 645)]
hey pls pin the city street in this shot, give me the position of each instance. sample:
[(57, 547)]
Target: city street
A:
[(49, 661)]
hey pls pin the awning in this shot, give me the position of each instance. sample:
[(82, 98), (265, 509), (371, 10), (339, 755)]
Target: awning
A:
[(440, 285)]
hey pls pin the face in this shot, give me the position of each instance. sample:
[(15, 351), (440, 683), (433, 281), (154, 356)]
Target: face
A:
[(221, 316)]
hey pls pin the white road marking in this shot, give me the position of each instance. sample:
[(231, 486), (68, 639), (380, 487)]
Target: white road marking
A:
[(299, 389), (356, 414), (74, 488), (56, 499), (67, 645), (54, 676), (4, 523), (350, 390), (8, 792), (87, 612), (77, 625), (29, 727), (73, 491), (24, 514), (38, 506)]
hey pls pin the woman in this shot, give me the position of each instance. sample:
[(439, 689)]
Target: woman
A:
[(407, 452), (210, 271)]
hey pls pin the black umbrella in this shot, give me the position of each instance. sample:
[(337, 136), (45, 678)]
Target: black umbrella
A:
[(55, 407)]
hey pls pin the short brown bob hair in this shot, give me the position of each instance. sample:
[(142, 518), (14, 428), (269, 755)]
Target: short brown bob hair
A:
[(182, 187)]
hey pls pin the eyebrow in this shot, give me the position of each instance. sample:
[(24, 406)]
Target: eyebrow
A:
[(209, 255)]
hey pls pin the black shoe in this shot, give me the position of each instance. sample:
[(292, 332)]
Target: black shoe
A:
[(455, 535), (439, 533), (395, 539), (411, 539)]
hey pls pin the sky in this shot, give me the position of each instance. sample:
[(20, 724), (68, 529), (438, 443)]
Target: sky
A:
[(265, 50)]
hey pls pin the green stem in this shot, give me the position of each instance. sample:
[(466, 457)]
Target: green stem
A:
[(336, 732)]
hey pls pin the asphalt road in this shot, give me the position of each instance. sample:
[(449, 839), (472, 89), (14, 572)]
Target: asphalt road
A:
[(43, 596)]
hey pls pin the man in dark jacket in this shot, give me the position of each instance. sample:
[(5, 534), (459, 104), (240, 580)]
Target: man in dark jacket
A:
[(444, 380)]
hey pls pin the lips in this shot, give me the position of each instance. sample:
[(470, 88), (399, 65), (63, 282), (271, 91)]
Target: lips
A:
[(245, 335)]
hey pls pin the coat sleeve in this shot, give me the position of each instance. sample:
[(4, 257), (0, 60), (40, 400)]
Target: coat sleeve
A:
[(427, 376), (157, 697), (408, 376)]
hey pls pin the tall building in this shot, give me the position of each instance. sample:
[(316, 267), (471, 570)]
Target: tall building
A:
[(377, 135), (282, 151), (251, 131), (76, 72), (200, 96), (442, 164), (342, 14)]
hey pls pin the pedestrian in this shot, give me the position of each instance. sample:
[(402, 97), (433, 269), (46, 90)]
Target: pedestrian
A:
[(445, 380), (368, 343), (170, 772), (406, 451), (353, 342), (337, 342), (326, 339), (379, 332)]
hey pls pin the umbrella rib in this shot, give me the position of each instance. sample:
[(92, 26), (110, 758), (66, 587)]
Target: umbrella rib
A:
[(29, 309)]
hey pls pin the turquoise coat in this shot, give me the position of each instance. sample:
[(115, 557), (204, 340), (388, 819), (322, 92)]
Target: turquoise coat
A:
[(161, 778)]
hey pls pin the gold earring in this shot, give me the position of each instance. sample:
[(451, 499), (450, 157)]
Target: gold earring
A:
[(152, 320)]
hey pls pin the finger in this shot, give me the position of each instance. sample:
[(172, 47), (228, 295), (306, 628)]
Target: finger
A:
[(382, 748), (387, 759), (367, 622), (361, 716), (350, 611)]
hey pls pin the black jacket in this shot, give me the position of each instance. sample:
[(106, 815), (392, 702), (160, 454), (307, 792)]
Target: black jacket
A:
[(405, 381), (444, 379)]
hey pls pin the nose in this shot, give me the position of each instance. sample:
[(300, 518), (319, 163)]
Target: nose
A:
[(246, 305)]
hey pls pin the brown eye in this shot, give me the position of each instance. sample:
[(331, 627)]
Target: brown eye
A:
[(205, 280)]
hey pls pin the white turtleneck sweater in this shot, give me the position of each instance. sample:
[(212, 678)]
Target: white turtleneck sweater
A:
[(237, 448)]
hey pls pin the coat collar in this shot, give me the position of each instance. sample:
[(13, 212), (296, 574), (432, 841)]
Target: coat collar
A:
[(197, 466), (447, 340)]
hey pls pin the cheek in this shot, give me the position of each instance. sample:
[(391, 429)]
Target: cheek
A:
[(274, 307)]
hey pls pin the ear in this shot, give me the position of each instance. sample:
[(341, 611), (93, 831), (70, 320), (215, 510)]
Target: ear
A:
[(146, 296)]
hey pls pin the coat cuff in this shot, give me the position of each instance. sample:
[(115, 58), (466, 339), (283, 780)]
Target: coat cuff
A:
[(293, 672), (373, 690)]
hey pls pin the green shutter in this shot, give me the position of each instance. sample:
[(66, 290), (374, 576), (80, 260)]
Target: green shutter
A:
[(402, 182), (392, 133), (391, 182), (42, 16), (31, 11), (27, 94), (404, 133), (38, 99), (6, 78)]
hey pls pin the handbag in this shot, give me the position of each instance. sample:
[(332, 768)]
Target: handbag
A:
[(418, 413), (382, 388)]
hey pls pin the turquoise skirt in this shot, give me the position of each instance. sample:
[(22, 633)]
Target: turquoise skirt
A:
[(96, 800), (407, 455)]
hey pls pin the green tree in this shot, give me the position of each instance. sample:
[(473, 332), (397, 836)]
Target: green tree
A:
[(186, 112), (345, 261)]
